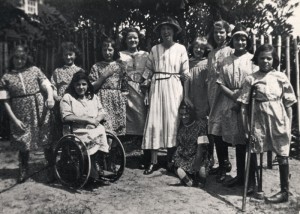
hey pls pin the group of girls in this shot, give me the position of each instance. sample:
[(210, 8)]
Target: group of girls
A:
[(193, 104)]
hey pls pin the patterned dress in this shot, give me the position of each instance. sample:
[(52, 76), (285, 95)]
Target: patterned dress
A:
[(60, 79), (110, 95), (163, 67), (232, 75), (271, 129), (27, 103), (136, 110), (197, 87), (215, 58), (187, 143), (93, 137)]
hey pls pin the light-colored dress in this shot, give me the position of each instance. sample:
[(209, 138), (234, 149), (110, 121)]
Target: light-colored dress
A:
[(93, 137), (136, 110), (187, 143), (27, 103), (164, 67), (233, 72), (215, 58), (110, 95), (271, 126), (62, 77), (197, 87)]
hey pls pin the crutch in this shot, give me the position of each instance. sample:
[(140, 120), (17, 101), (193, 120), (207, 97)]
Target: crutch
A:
[(248, 148)]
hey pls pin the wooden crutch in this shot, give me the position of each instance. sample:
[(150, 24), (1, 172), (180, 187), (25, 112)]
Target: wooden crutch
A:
[(248, 147)]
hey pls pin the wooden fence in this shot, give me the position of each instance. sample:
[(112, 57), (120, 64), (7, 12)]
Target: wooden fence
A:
[(45, 53)]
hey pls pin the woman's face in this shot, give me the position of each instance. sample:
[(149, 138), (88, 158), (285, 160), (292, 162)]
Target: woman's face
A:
[(198, 50), (265, 61), (20, 60), (69, 57), (167, 33), (132, 40), (108, 52), (81, 87), (239, 42), (220, 35)]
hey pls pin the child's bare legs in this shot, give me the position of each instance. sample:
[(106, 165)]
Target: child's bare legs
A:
[(283, 195)]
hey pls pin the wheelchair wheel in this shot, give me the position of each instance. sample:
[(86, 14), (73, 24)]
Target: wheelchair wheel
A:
[(72, 162), (113, 163)]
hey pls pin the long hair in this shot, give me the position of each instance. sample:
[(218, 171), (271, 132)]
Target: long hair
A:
[(80, 75), (266, 48), (19, 49)]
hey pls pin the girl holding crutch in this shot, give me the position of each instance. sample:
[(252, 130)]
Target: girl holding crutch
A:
[(271, 128)]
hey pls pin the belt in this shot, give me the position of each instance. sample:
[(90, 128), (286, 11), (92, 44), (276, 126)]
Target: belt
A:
[(167, 73)]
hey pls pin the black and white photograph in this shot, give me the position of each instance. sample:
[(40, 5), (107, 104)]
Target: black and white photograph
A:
[(149, 106)]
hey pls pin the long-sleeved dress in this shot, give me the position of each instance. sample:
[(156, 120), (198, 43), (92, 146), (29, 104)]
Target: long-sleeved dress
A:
[(163, 67), (233, 72), (110, 95), (27, 103), (197, 87), (93, 137), (136, 110), (271, 127), (215, 58)]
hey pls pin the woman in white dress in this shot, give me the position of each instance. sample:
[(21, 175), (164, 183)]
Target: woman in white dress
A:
[(167, 68)]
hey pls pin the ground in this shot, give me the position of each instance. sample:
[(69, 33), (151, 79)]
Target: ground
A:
[(160, 192)]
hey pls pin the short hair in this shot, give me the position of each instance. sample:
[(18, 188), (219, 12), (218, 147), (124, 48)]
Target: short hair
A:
[(125, 33), (29, 58), (80, 75), (218, 24), (200, 40), (68, 46), (266, 48), (113, 43), (242, 29), (191, 111)]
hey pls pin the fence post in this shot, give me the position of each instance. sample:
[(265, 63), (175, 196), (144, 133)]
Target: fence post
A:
[(287, 57), (297, 81), (279, 50)]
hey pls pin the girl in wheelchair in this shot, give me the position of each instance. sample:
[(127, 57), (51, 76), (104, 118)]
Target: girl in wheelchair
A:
[(80, 107)]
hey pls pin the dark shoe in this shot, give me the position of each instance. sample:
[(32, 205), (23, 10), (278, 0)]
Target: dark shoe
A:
[(279, 197), (227, 165), (104, 183), (170, 166), (236, 181), (250, 190), (214, 171), (150, 169), (221, 176), (22, 175)]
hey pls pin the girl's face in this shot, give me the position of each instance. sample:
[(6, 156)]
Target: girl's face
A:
[(185, 116), (132, 40), (198, 50), (220, 35), (239, 42), (108, 52), (81, 87), (69, 57), (265, 61), (19, 60), (167, 33)]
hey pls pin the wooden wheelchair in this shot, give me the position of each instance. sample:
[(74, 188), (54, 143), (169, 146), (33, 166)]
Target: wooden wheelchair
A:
[(73, 163)]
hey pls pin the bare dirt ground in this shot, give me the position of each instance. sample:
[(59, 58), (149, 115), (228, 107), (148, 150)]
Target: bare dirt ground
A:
[(160, 192)]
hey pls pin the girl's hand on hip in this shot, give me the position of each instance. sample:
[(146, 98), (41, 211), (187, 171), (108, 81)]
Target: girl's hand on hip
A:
[(49, 103), (20, 125)]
